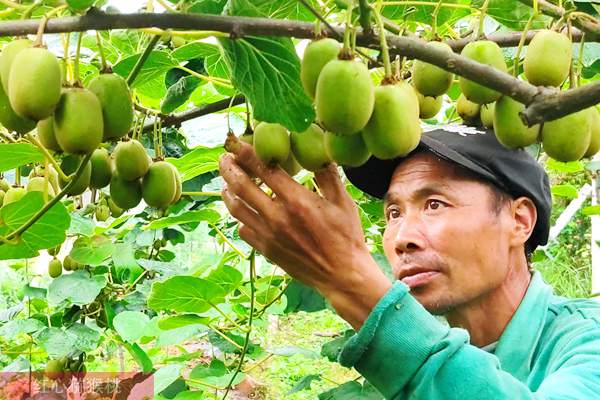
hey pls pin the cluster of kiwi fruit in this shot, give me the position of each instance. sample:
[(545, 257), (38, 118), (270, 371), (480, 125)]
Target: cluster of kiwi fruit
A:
[(546, 63), (64, 369), (74, 121), (56, 267)]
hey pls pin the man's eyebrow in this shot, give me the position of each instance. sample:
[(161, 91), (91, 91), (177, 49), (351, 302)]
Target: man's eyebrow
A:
[(425, 191)]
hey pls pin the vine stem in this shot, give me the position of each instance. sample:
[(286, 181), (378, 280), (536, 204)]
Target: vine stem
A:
[(206, 194), (247, 341), (346, 48), (48, 156), (385, 51), (214, 80), (480, 32), (12, 4), (580, 59), (140, 62), (233, 247), (185, 34), (521, 44), (19, 231)]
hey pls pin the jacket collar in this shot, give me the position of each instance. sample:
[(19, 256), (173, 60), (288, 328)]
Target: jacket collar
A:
[(519, 340)]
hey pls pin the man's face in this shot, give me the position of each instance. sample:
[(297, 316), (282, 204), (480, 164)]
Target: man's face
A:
[(440, 221)]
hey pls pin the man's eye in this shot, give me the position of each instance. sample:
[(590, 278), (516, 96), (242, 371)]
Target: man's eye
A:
[(393, 213), (434, 204)]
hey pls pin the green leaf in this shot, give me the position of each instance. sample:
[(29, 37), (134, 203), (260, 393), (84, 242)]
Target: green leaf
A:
[(351, 390), (92, 250), (13, 155), (130, 325), (179, 321), (512, 14), (87, 339), (568, 167), (150, 81), (81, 225), (185, 294), (80, 5), (423, 13), (77, 288), (228, 277), (56, 342), (13, 328), (165, 376), (194, 50), (46, 232), (332, 349), (272, 9), (179, 93), (289, 351), (207, 6), (568, 191), (267, 71), (304, 383), (210, 216), (197, 162), (591, 210), (302, 297), (215, 374)]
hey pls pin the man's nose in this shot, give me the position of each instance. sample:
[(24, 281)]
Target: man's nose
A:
[(410, 235)]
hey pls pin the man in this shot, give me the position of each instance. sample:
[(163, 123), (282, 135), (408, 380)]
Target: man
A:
[(463, 213)]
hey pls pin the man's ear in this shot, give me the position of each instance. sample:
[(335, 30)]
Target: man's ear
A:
[(524, 214)]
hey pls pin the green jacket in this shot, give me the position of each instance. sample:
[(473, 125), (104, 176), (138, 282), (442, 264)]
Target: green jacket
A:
[(549, 350)]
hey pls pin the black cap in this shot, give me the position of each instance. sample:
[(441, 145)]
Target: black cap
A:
[(476, 149)]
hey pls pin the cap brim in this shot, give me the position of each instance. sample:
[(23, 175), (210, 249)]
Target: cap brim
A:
[(375, 175)]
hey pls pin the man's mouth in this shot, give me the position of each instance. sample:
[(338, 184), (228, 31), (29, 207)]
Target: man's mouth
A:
[(419, 278)]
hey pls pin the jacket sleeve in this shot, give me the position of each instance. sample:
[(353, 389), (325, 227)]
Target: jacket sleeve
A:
[(406, 353)]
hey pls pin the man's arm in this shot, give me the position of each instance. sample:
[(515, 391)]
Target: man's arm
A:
[(407, 353)]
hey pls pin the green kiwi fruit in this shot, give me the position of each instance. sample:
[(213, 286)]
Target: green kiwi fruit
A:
[(429, 106), (131, 160), (509, 128), (159, 185), (345, 96), (347, 150), (38, 184), (548, 58), (125, 194), (46, 135), (467, 110), (117, 106), (8, 55), (69, 165), (568, 138), (78, 123), (55, 268), (595, 139), (394, 129), (271, 143), (309, 148), (316, 55), (14, 194), (101, 169), (485, 52), (35, 83), (430, 80), (487, 114), (10, 120)]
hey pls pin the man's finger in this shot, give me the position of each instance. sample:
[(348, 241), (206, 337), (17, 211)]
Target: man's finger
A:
[(275, 178), (243, 187), (252, 237), (330, 183), (241, 211)]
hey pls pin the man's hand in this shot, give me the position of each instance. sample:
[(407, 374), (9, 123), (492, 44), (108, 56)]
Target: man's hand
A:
[(317, 240)]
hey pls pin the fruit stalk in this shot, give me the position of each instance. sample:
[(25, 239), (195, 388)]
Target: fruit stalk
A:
[(105, 67), (385, 52), (346, 49), (140, 62), (572, 81), (19, 231), (48, 156), (365, 15), (521, 44), (77, 80), (226, 240), (480, 32)]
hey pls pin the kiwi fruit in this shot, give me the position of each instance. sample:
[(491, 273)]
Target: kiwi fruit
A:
[(55, 268), (595, 139), (430, 80), (316, 55), (116, 103), (548, 58), (509, 129), (101, 169), (46, 135), (40, 170), (429, 106), (309, 148), (485, 52), (78, 123), (347, 150), (115, 210), (291, 165), (247, 138), (125, 194), (38, 184), (568, 138), (14, 194), (131, 160), (53, 251), (54, 368), (8, 55), (69, 165), (10, 120), (102, 212), (35, 83), (159, 185), (271, 143), (69, 264), (4, 185), (394, 129), (345, 97), (487, 114), (467, 110)]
